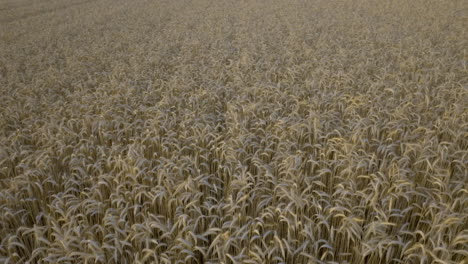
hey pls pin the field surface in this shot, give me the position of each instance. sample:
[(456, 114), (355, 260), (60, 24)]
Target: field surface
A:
[(251, 131)]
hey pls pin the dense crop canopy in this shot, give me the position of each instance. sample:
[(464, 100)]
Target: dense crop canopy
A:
[(222, 131)]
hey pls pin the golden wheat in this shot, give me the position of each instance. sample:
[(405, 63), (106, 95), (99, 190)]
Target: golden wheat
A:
[(157, 131)]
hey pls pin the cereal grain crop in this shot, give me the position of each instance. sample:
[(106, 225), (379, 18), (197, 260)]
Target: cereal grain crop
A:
[(249, 131)]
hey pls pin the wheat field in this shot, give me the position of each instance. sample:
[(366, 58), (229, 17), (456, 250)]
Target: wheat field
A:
[(222, 131)]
